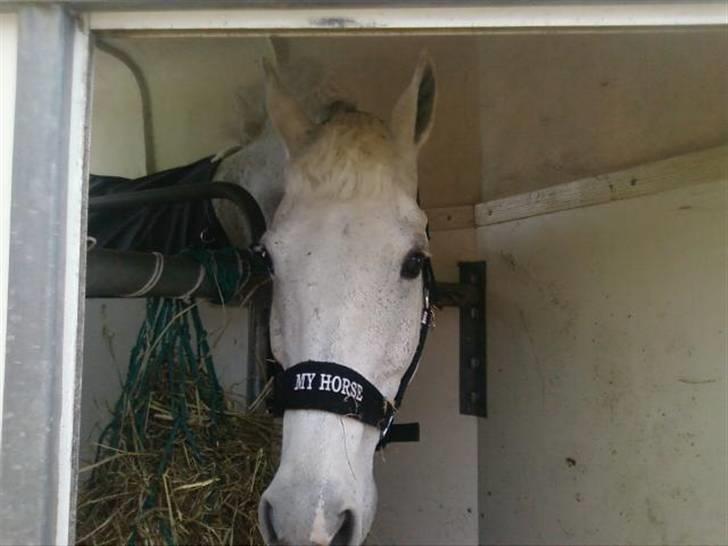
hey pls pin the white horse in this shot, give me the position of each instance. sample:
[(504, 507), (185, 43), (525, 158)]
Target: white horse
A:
[(347, 241)]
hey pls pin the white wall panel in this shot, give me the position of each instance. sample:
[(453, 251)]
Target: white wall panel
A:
[(607, 374), (8, 62)]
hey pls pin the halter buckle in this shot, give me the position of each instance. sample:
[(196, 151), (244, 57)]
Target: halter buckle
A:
[(386, 428), (427, 311), (261, 253)]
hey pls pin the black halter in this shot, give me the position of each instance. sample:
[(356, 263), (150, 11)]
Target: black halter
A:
[(335, 388)]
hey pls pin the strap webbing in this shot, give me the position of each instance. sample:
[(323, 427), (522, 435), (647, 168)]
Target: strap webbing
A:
[(428, 286), (331, 387)]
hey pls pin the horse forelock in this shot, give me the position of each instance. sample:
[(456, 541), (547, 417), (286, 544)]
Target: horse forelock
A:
[(353, 155)]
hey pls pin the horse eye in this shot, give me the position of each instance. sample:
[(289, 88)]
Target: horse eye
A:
[(412, 265)]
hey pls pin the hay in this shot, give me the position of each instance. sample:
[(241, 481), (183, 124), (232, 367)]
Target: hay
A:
[(208, 499), (177, 464)]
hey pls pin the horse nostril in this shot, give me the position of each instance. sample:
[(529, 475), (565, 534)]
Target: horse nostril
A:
[(266, 522), (345, 535), (279, 530)]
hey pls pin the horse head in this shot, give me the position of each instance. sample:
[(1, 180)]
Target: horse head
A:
[(347, 246)]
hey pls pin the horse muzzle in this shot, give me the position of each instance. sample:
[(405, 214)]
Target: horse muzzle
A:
[(284, 521)]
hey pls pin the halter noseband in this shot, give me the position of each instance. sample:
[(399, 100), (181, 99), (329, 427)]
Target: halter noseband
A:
[(335, 388)]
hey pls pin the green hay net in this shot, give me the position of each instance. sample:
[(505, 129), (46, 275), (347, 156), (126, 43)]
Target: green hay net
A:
[(177, 464)]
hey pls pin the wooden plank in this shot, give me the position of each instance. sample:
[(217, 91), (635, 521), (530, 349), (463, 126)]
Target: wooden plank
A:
[(710, 165), (449, 218)]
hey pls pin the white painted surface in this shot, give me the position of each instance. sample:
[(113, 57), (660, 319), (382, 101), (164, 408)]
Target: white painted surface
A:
[(597, 316), (117, 135), (8, 62), (71, 367), (560, 107), (110, 332), (194, 92), (603, 14), (607, 331)]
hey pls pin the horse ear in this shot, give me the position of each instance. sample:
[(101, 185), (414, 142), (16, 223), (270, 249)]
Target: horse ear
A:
[(286, 114), (415, 110)]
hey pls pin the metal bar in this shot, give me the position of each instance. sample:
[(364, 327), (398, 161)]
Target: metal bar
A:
[(123, 57), (249, 209), (36, 458), (473, 376), (8, 57), (114, 273), (180, 274)]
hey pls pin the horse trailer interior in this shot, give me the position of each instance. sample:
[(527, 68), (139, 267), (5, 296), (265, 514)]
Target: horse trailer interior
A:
[(579, 149)]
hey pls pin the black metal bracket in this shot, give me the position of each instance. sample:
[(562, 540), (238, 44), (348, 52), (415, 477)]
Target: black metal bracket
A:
[(473, 377)]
